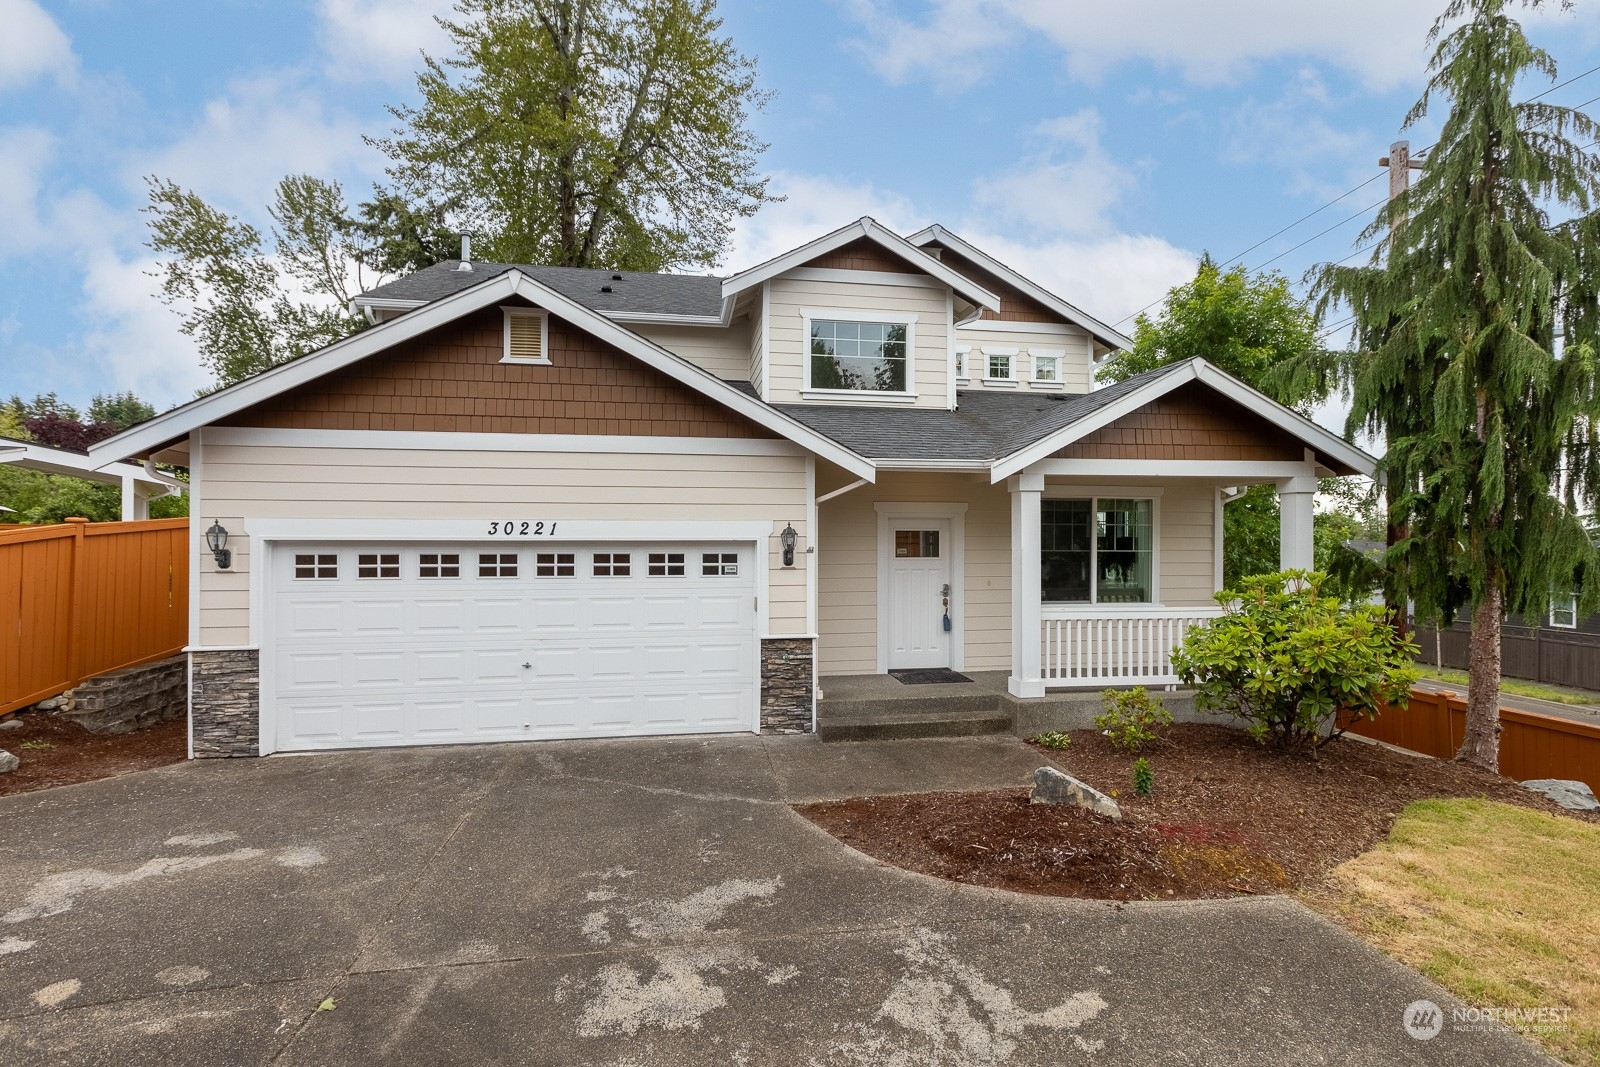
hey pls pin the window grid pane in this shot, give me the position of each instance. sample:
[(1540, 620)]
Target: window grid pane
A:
[(497, 565), (316, 565), (999, 366), (719, 563), (1044, 368), (1066, 551), (555, 565), (612, 564), (439, 565), (862, 356), (1123, 552), (378, 565), (666, 564)]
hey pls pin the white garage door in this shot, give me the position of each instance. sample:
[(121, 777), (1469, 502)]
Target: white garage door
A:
[(387, 644)]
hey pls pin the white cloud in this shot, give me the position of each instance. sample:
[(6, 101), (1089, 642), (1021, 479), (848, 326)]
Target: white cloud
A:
[(380, 39), (32, 45), (814, 206), (131, 337), (262, 129), (1068, 187), (1382, 42), (25, 153)]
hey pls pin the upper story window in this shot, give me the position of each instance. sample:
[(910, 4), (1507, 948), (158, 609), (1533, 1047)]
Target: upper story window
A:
[(963, 357), (1564, 611), (866, 357), (1097, 551), (999, 364), (1046, 366)]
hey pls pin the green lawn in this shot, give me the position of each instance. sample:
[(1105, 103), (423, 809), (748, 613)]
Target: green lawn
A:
[(1496, 903)]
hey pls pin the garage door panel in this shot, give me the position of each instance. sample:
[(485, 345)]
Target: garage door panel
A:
[(429, 656)]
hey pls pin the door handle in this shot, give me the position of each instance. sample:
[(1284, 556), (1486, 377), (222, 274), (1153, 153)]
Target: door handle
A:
[(945, 592), (527, 666)]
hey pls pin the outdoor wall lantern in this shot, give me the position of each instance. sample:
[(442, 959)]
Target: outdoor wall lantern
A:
[(789, 538), (217, 541)]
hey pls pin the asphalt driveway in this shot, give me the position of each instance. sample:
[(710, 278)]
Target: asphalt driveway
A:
[(629, 903)]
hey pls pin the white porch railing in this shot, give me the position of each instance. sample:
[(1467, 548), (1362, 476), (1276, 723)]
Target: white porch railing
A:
[(1122, 644)]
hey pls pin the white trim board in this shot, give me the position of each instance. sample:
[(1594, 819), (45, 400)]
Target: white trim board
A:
[(1054, 329), (500, 442), (956, 515), (1195, 370), (937, 234), (863, 277), (870, 229), (1228, 470), (477, 529), (183, 420)]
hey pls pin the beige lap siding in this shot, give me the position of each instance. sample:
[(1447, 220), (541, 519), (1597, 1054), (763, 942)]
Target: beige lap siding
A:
[(1071, 348), (788, 348), (847, 571), (722, 350), (241, 482)]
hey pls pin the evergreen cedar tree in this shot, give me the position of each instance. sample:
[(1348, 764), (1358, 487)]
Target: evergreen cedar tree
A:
[(1490, 424)]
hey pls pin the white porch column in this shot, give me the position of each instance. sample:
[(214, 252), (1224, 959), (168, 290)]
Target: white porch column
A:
[(1295, 508), (1027, 677)]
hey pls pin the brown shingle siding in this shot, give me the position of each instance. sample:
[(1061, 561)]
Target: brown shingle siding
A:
[(1188, 423), (864, 254), (1015, 306), (452, 380)]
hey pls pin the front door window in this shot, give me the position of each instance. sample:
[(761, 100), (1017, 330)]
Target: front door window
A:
[(916, 544)]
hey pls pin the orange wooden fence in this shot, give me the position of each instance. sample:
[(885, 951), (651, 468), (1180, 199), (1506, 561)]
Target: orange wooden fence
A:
[(1531, 745), (80, 599)]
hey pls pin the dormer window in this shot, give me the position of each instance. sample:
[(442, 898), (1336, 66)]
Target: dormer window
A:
[(999, 365), (527, 335), (858, 352), (963, 356), (1046, 366)]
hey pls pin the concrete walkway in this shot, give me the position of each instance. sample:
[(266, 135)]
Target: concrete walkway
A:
[(626, 903)]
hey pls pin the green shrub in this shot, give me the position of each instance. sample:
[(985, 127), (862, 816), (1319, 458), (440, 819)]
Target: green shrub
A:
[(1133, 718), (1054, 739), (1144, 779), (1293, 663)]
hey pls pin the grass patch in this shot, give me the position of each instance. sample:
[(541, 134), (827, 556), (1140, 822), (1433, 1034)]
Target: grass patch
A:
[(1494, 902), (1518, 687)]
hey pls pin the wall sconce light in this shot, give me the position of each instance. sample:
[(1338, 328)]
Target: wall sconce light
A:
[(217, 541), (789, 539)]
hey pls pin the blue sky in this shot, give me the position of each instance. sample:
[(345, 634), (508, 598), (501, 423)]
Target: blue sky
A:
[(1098, 147)]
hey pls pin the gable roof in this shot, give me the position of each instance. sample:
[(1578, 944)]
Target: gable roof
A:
[(1004, 432), (181, 421), (863, 228), (1107, 336), (621, 295)]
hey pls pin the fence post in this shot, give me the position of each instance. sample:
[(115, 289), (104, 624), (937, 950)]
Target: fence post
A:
[(76, 612)]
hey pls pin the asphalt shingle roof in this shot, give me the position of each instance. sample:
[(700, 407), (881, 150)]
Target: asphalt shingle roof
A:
[(632, 292), (986, 425)]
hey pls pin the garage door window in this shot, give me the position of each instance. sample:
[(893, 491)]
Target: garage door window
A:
[(612, 564), (439, 565), (666, 564), (378, 565), (719, 563), (497, 565), (555, 565), (313, 565)]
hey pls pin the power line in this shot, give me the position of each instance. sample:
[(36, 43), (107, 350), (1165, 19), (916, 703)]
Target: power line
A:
[(1559, 85), (1303, 218), (1324, 233)]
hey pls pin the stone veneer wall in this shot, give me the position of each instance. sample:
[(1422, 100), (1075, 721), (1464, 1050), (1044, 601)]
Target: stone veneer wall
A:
[(786, 685), (225, 702), (130, 699)]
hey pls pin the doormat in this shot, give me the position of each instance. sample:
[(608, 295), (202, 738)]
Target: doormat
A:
[(929, 676)]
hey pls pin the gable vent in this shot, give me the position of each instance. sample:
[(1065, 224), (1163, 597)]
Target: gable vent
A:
[(525, 339)]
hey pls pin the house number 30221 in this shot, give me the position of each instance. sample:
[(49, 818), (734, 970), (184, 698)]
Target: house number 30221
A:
[(512, 528)]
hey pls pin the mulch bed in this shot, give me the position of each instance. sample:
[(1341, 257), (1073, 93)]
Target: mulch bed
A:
[(76, 755), (1227, 817)]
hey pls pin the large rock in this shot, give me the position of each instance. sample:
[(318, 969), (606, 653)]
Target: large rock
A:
[(1051, 786), (8, 762), (12, 724), (1575, 796)]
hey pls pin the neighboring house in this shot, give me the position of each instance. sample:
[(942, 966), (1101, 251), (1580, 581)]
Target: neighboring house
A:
[(140, 484), (1564, 649), (538, 502)]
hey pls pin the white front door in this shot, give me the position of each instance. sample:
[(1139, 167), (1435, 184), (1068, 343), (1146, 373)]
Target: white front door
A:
[(919, 593)]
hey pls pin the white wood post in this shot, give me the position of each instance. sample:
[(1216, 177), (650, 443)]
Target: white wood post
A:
[(1296, 500), (1027, 676)]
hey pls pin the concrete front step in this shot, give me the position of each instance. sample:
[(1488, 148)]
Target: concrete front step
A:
[(884, 720)]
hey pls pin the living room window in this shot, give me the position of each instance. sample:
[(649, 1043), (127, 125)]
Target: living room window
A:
[(1098, 550), (857, 356)]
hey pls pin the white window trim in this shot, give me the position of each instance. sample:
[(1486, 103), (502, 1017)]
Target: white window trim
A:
[(1094, 494), (1035, 355), (544, 335), (964, 356), (1010, 352), (1569, 598), (897, 318), (895, 512)]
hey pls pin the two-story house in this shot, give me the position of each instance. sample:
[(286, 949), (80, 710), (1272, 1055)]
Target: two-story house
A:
[(535, 502)]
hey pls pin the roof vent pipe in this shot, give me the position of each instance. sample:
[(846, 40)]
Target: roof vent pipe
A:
[(466, 252)]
